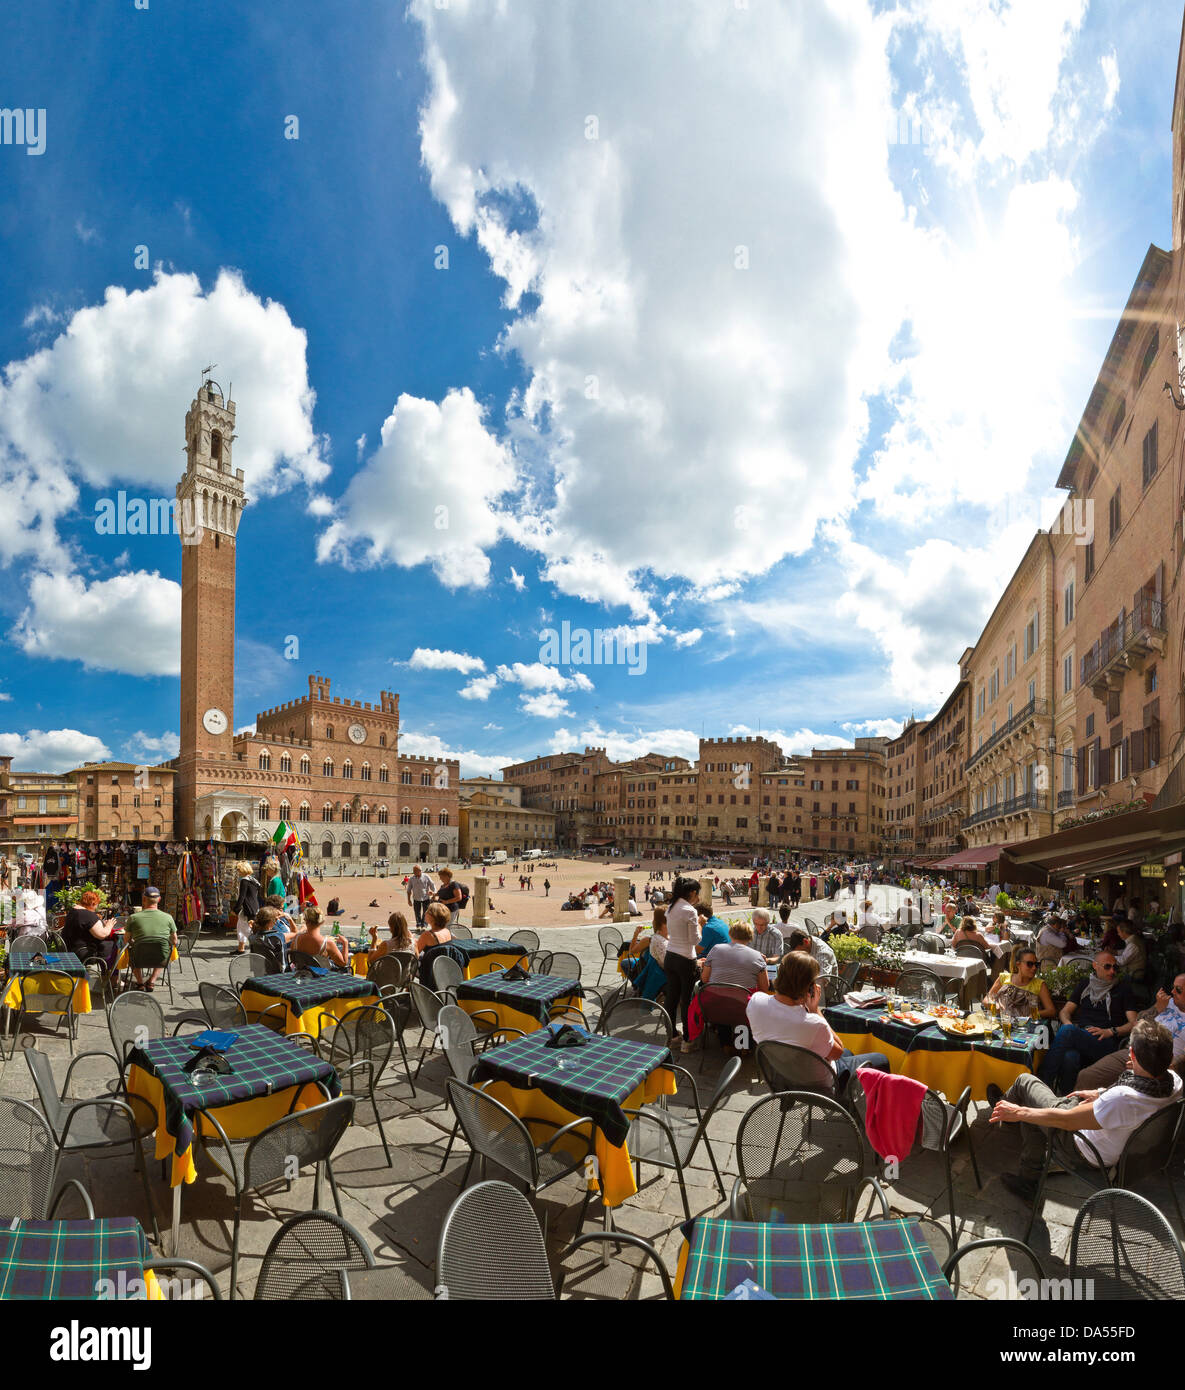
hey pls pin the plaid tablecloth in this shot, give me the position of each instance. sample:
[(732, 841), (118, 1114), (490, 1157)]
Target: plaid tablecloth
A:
[(1021, 1052), (262, 1063), (20, 963), (71, 1259), (592, 1080), (303, 992), (856, 1260), (465, 953), (534, 995)]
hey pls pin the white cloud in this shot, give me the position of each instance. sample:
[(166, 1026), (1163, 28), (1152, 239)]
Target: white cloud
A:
[(620, 744), (428, 494), (122, 560), (245, 729), (52, 750), (688, 639), (1109, 63), (432, 659), (478, 688), (40, 314), (4, 695), (517, 580), (874, 728), (797, 741), (535, 675), (129, 623), (85, 233), (492, 728), (147, 748), (473, 764), (547, 705)]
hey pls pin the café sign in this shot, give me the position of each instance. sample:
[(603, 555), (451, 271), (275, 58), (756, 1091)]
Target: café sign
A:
[(1151, 870)]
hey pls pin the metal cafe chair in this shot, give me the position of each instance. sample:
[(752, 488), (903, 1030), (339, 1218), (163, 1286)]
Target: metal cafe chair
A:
[(610, 941), (48, 993), (311, 1256), (29, 1166), (492, 1248), (1126, 1247)]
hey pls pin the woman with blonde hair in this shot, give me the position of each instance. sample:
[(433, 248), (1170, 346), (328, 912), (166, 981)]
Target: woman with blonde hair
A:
[(311, 942), (436, 919), (247, 903), (399, 940)]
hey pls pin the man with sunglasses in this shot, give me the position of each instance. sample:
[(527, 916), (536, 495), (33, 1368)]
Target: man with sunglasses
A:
[(1097, 1016), (1169, 1012)]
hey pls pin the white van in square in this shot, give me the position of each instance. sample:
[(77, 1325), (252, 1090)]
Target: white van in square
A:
[(533, 854)]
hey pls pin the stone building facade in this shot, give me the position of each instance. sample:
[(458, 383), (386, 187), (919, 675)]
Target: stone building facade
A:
[(123, 801), (903, 791)]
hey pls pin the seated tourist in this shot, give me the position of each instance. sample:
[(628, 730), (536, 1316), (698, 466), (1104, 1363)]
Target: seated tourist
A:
[(150, 924), (87, 934), (1169, 1012), (726, 971), (801, 940), (951, 921), (1099, 1012), (269, 939), (398, 938), (312, 942), (793, 1014), (713, 931), (868, 923), (1051, 941), (642, 934), (1133, 958), (1019, 991), (1107, 1117), (767, 939), (436, 933), (908, 914), (968, 930)]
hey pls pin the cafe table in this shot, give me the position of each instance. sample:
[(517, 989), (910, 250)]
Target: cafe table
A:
[(858, 1260), (123, 960), (21, 967), (603, 1079), (520, 1004), (308, 999), (55, 1260), (475, 956), (270, 1077), (943, 1061)]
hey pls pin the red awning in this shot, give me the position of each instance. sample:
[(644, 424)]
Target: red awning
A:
[(973, 858)]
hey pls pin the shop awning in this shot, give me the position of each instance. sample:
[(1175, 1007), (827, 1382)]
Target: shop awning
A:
[(1107, 845), (978, 858)]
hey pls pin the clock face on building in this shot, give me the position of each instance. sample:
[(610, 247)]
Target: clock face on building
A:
[(214, 721), (357, 733)]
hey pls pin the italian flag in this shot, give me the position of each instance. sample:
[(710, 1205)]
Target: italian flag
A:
[(284, 837)]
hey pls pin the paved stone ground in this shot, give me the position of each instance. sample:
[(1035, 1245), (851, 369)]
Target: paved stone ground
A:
[(399, 1209)]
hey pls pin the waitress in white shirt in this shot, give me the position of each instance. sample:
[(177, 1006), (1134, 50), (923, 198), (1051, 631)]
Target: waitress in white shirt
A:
[(680, 962)]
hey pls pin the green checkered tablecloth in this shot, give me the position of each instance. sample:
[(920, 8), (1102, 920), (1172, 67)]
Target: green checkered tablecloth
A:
[(307, 991), (1021, 1052), (20, 963), (535, 995), (262, 1062), (47, 1260), (593, 1080), (464, 951), (848, 1260)]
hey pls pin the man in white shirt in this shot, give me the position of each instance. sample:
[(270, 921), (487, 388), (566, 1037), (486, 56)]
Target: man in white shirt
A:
[(420, 889), (801, 940), (868, 923), (1107, 1118)]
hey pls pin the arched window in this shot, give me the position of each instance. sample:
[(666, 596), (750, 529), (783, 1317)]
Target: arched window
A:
[(327, 813), (364, 815), (364, 850), (285, 763), (285, 811), (345, 849), (442, 849), (425, 816), (327, 768), (347, 815), (405, 816), (384, 775), (329, 731), (303, 813), (382, 849), (216, 446), (442, 819), (347, 768), (265, 811), (382, 815), (305, 765), (425, 779), (265, 761), (364, 772), (405, 777), (382, 740), (326, 849)]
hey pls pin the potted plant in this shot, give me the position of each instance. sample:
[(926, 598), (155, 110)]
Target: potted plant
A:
[(71, 896), (850, 947), (1004, 902), (1061, 979)]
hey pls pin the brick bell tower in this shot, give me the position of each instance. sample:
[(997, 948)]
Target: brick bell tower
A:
[(210, 503)]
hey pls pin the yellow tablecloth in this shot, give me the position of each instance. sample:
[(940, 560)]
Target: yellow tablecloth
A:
[(947, 1072), (613, 1160), (481, 965), (82, 992), (514, 1018), (121, 961), (312, 1020), (360, 962), (243, 1119)]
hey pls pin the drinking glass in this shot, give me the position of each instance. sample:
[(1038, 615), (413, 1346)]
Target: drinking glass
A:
[(1006, 1025)]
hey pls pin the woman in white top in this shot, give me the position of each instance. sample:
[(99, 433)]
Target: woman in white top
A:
[(680, 962), (793, 1014)]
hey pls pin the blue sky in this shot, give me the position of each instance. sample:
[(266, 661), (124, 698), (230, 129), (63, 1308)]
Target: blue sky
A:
[(715, 361)]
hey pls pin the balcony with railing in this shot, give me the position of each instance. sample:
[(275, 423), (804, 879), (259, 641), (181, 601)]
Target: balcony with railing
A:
[(1027, 801), (1023, 717), (1065, 798), (1123, 645)]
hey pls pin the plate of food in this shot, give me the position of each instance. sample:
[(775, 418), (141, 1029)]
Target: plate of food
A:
[(911, 1019), (964, 1027), (945, 1011)]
